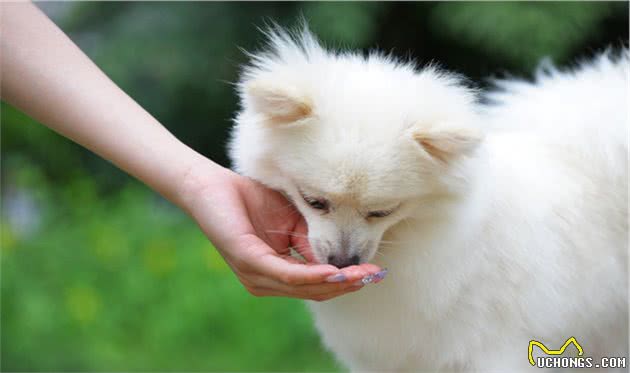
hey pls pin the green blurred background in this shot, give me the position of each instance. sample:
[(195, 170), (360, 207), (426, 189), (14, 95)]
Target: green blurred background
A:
[(100, 274)]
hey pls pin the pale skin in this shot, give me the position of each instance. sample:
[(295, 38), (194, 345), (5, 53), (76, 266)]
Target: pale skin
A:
[(44, 74)]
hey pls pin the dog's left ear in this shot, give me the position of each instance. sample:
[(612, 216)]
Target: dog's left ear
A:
[(449, 143), (281, 104)]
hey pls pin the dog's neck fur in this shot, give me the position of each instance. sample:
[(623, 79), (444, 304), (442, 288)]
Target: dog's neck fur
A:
[(462, 200), (447, 224)]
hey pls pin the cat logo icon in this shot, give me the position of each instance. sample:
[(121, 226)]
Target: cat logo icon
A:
[(547, 351)]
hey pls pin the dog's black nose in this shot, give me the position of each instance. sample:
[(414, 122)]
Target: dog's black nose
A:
[(340, 261)]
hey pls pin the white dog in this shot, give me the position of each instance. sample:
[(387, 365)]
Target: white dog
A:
[(499, 223)]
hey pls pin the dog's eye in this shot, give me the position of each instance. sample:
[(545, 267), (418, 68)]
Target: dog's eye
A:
[(317, 203), (379, 214)]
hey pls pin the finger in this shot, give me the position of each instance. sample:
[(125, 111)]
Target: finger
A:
[(266, 292), (326, 291), (278, 268), (355, 273), (329, 296), (326, 295), (370, 268), (300, 291)]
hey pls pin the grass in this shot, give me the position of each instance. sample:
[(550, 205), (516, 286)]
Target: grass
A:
[(129, 283)]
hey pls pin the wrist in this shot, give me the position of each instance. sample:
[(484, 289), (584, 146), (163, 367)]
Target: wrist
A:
[(198, 181)]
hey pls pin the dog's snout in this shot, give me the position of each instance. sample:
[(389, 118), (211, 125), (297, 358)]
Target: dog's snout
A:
[(341, 261)]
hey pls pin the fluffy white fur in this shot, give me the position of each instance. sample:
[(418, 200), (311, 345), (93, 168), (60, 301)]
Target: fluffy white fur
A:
[(509, 219)]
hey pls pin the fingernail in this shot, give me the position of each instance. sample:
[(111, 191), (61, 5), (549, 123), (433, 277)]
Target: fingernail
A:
[(339, 277), (380, 275)]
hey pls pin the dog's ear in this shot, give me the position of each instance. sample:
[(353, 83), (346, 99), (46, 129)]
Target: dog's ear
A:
[(447, 143), (279, 103)]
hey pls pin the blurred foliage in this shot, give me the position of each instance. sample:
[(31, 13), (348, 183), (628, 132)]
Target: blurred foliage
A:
[(98, 273), (543, 29), (129, 283)]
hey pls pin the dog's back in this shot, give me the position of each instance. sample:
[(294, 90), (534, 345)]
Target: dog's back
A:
[(583, 109), (574, 126), (548, 260), (491, 242)]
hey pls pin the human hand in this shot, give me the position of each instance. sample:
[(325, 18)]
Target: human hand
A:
[(253, 228), (237, 214)]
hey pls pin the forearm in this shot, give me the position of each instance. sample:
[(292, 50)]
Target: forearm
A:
[(44, 74)]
